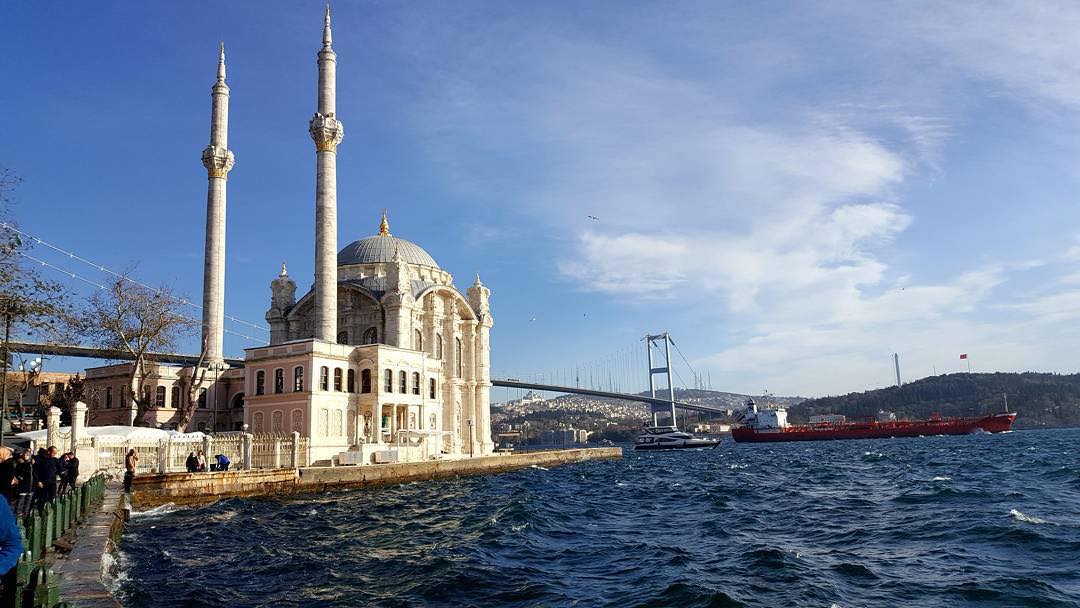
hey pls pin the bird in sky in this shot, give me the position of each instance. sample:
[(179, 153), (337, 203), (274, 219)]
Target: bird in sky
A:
[(532, 319), (592, 217)]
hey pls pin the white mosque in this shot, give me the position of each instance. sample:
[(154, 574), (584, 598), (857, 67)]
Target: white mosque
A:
[(382, 360)]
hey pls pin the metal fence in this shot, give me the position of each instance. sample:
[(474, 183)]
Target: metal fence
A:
[(276, 450)]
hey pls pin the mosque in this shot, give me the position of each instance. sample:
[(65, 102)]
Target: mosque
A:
[(383, 359)]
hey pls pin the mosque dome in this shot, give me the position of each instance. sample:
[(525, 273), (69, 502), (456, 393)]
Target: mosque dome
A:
[(381, 247)]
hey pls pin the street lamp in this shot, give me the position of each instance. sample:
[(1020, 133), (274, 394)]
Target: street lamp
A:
[(472, 439)]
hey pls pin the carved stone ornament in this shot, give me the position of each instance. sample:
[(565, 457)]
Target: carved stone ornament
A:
[(218, 161), (326, 131)]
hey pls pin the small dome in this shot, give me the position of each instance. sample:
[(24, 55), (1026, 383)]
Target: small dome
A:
[(380, 248)]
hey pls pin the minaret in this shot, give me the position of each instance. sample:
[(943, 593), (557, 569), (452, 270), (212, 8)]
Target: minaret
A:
[(218, 160), (327, 133)]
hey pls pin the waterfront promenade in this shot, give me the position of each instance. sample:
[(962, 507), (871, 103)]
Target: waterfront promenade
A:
[(151, 490)]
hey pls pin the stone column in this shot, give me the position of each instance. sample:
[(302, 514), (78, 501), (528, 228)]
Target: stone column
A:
[(247, 451), (52, 425), (218, 160), (327, 132), (296, 450), (78, 424)]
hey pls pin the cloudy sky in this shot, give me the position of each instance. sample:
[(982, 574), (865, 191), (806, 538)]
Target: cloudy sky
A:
[(794, 190)]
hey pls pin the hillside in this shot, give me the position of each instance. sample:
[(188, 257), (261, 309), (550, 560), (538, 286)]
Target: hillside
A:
[(1039, 399)]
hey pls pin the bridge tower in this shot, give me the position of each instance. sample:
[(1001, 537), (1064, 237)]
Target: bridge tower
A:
[(650, 342)]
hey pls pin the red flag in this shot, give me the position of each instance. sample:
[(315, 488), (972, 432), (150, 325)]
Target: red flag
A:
[(963, 356)]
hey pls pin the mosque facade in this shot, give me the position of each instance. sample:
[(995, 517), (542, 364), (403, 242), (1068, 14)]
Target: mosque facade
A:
[(382, 360)]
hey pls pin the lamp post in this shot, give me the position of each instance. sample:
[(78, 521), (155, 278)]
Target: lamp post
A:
[(472, 439)]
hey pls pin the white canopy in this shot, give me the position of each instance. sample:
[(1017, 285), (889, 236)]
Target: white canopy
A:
[(116, 431)]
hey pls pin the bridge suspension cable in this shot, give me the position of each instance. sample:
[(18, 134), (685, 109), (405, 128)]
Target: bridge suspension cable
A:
[(118, 275)]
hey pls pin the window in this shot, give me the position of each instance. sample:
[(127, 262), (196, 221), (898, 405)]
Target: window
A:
[(458, 361), (343, 337), (108, 396), (324, 378), (416, 383), (279, 381), (257, 423), (438, 346), (365, 381), (175, 396), (275, 421), (298, 379), (350, 381), (202, 398), (389, 381), (297, 424), (337, 379), (371, 336), (431, 388), (159, 396), (433, 422), (403, 382), (260, 382), (418, 340), (238, 400)]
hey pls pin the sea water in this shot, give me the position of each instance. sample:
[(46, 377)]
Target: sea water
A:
[(986, 520)]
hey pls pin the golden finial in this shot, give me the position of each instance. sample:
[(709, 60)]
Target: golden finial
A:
[(384, 226)]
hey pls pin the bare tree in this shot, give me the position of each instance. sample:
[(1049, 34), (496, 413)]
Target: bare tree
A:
[(128, 317), (196, 382)]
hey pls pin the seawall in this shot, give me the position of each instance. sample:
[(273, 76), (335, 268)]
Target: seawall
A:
[(202, 488)]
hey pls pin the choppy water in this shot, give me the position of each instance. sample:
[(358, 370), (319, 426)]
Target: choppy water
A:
[(937, 521)]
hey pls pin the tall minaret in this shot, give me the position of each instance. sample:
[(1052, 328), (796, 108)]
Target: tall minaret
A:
[(327, 132), (218, 160)]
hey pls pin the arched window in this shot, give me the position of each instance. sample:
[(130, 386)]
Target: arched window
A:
[(365, 381), (431, 388), (389, 382), (275, 421), (458, 362), (350, 381), (260, 382), (324, 378), (418, 340), (159, 396), (279, 381), (108, 396), (438, 346), (257, 426), (238, 401), (416, 383), (371, 336), (343, 337), (403, 382), (298, 379), (337, 379), (297, 424), (175, 396), (433, 421), (201, 426), (202, 397)]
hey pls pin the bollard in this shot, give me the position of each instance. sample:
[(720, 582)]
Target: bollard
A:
[(296, 449), (33, 532), (247, 451)]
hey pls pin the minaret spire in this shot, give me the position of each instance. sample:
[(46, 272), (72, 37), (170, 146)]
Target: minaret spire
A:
[(327, 132), (218, 161), (384, 226)]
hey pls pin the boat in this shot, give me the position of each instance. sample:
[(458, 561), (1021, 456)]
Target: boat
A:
[(670, 438), (768, 425)]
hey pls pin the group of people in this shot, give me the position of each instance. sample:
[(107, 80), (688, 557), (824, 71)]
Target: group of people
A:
[(196, 462), (41, 476)]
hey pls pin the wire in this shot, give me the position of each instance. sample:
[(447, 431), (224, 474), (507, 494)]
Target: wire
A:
[(100, 286), (73, 256)]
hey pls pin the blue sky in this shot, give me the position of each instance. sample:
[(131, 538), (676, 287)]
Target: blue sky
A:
[(794, 190)]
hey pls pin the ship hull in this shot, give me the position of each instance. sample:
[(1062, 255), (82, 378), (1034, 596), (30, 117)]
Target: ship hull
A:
[(997, 423), (692, 444)]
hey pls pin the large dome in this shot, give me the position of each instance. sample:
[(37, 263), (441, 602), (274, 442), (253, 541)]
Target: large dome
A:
[(380, 248)]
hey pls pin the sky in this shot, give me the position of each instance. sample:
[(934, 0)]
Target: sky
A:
[(795, 191)]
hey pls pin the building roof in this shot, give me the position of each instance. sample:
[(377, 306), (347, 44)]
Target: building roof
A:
[(380, 248)]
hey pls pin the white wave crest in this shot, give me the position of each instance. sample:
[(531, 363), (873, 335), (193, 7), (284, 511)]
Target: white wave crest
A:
[(1026, 518), (221, 517), (158, 511), (942, 478), (536, 466)]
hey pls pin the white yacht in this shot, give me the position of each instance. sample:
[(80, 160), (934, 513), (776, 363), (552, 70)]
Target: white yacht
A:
[(670, 438)]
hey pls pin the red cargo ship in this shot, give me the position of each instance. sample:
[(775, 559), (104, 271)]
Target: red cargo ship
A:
[(771, 425)]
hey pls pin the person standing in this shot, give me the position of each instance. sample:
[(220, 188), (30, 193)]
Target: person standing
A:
[(46, 469), (192, 463), (11, 546), (63, 475), (7, 474), (202, 462), (130, 461), (72, 470)]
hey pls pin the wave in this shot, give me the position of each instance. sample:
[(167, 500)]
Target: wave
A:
[(1020, 516), (157, 511), (942, 478)]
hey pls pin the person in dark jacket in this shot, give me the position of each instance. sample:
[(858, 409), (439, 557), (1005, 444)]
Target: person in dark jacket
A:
[(7, 474), (46, 470), (24, 473), (192, 463), (222, 462), (63, 486), (131, 461), (72, 470)]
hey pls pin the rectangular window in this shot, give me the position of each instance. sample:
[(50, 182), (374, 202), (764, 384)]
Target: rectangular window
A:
[(324, 378), (389, 381), (298, 380), (403, 382), (416, 383), (431, 388), (279, 381), (337, 379), (108, 396), (260, 382), (202, 398), (159, 397), (175, 396)]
